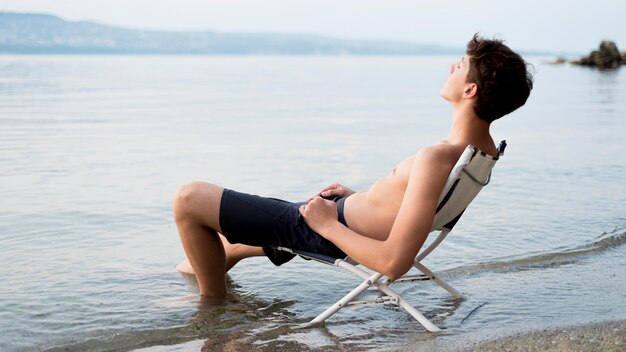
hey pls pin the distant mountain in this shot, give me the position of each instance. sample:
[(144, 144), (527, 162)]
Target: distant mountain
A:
[(26, 33)]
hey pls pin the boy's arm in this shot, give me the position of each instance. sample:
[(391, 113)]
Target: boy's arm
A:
[(394, 256), (333, 189)]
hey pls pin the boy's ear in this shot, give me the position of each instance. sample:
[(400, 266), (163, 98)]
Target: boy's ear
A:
[(471, 89)]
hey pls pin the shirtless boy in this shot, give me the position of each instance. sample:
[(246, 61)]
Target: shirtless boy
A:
[(383, 227)]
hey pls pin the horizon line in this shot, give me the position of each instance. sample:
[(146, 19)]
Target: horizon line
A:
[(537, 52)]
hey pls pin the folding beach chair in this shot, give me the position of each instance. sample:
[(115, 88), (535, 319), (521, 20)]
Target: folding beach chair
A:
[(471, 172)]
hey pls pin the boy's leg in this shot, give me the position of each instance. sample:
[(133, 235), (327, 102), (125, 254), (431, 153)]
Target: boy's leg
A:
[(238, 251), (196, 211), (247, 218), (234, 253)]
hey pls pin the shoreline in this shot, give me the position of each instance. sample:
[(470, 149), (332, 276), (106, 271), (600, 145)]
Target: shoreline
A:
[(607, 336), (602, 336)]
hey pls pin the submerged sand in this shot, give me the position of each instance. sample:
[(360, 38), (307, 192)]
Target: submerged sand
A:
[(603, 337)]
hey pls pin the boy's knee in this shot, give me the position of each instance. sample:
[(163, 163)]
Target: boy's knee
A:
[(185, 192), (185, 197), (198, 202)]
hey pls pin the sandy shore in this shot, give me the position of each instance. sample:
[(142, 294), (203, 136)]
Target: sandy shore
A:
[(599, 337), (610, 336)]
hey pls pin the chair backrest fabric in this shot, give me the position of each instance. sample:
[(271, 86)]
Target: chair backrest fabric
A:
[(467, 178)]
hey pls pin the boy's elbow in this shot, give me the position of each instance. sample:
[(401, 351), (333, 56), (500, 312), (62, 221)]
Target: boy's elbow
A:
[(396, 269)]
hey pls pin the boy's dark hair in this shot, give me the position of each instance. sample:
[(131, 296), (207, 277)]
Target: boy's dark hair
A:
[(501, 75)]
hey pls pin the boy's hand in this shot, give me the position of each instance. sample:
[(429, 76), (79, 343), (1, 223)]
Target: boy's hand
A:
[(334, 189), (320, 214)]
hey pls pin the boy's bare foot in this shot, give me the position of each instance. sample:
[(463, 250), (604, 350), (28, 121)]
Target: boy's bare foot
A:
[(185, 268)]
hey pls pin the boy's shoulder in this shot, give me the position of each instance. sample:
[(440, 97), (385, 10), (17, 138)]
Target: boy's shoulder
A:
[(435, 162), (443, 154)]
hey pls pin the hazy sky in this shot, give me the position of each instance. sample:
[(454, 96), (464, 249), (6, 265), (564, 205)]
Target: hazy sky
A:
[(554, 25)]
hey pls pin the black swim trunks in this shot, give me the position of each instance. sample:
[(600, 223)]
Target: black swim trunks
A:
[(270, 223)]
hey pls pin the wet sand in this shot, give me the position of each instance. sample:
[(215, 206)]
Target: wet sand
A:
[(597, 337), (609, 336)]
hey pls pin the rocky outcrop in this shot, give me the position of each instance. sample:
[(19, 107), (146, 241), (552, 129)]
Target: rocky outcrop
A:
[(607, 56)]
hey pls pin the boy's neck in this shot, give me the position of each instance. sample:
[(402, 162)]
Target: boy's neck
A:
[(467, 127)]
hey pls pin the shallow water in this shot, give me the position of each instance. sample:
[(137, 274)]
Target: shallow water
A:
[(92, 149)]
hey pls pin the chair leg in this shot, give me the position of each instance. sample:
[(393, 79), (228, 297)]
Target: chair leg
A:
[(406, 306), (370, 279), (453, 291), (343, 301), (393, 294)]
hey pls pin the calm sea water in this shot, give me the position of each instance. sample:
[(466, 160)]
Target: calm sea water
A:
[(92, 149)]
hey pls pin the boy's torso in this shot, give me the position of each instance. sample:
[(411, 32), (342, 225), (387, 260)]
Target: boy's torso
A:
[(372, 212)]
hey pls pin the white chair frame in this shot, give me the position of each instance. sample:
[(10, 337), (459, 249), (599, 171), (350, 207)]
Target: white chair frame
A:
[(464, 171)]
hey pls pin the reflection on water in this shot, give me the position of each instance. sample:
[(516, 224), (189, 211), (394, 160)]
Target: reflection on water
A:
[(92, 149), (609, 90)]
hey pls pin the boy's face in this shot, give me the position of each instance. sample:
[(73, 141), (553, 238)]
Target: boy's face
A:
[(456, 83)]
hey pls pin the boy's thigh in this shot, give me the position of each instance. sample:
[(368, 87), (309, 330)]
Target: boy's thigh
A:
[(270, 223), (254, 220)]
